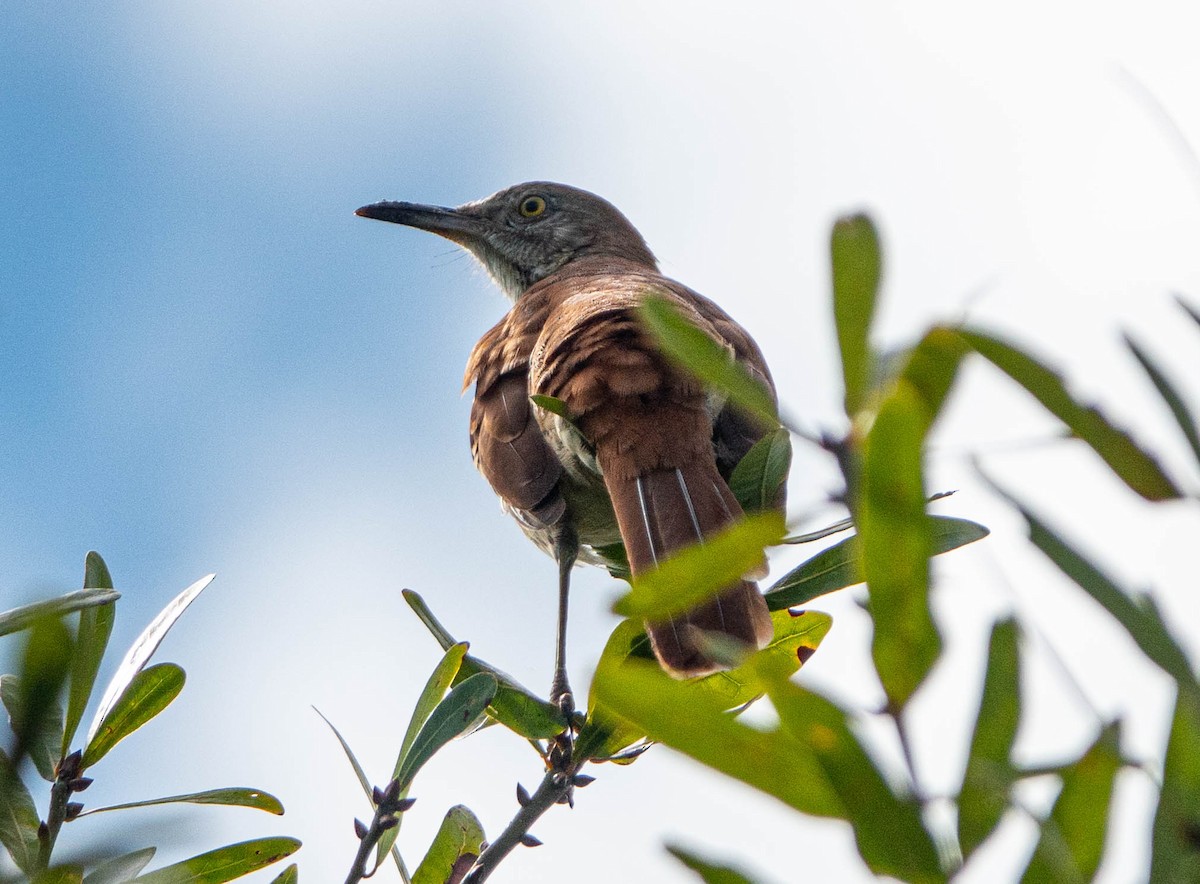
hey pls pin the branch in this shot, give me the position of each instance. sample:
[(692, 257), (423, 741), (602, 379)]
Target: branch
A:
[(388, 804), (555, 788)]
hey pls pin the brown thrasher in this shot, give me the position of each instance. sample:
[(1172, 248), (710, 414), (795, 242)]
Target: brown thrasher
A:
[(646, 457)]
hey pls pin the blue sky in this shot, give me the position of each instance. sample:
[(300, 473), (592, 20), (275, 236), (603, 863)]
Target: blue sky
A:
[(209, 364)]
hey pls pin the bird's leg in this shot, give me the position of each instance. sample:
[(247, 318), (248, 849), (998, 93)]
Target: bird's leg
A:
[(566, 549)]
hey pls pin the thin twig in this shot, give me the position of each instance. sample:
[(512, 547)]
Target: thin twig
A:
[(388, 806), (555, 787)]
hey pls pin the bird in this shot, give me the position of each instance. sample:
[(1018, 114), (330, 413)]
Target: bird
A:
[(637, 454)]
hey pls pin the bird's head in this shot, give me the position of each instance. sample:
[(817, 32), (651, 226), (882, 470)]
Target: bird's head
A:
[(526, 232)]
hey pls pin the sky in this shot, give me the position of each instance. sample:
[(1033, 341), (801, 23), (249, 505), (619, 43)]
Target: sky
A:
[(209, 364)]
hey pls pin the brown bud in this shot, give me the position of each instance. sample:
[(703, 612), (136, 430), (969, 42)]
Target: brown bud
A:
[(523, 798), (404, 804), (392, 791), (529, 841), (79, 784), (72, 810), (388, 822), (582, 780), (360, 829), (377, 795), (43, 831)]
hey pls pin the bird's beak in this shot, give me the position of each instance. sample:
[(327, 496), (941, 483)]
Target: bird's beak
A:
[(453, 224)]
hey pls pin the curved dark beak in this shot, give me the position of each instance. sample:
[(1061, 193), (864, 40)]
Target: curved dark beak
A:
[(451, 223)]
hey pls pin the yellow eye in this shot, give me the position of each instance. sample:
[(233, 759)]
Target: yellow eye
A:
[(532, 206)]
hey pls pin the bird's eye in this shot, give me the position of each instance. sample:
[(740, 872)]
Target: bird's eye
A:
[(532, 206)]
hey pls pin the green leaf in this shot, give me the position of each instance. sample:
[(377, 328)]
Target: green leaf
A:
[(797, 636), (149, 693), (1170, 395), (95, 627), (1134, 466), (1139, 618), (693, 350), (41, 743), (452, 718), (18, 818), (857, 263), (989, 775), (604, 734), (435, 688), (16, 619), (358, 769), (68, 874), (552, 405), (439, 681), (224, 863), (33, 700), (368, 790), (893, 529), (758, 480), (891, 837), (290, 875), (143, 649), (1072, 839), (696, 573), (706, 870), (455, 847), (514, 706), (230, 797), (837, 567), (1175, 856), (121, 869), (772, 761)]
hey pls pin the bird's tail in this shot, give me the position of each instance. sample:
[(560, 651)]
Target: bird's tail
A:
[(660, 511)]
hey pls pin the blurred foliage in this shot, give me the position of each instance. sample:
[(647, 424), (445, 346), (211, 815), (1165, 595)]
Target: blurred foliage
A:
[(815, 756), (57, 657)]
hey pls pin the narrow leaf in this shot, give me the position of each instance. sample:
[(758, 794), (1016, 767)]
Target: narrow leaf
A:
[(514, 705), (1179, 408), (39, 743), (772, 761), (696, 573), (224, 863), (290, 875), (121, 869), (95, 627), (758, 480), (891, 837), (837, 567), (144, 647), (604, 734), (706, 870), (452, 718), (149, 693), (857, 262), (1072, 840), (18, 818), (37, 721), (457, 844), (713, 364), (989, 775), (16, 619), (1139, 618), (1175, 856), (894, 531), (1134, 466), (231, 797), (1188, 308), (439, 682)]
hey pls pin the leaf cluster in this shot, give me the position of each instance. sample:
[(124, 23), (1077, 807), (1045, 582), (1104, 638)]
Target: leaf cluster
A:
[(57, 658)]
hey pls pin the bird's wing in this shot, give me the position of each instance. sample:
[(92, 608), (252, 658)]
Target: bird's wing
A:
[(506, 442)]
